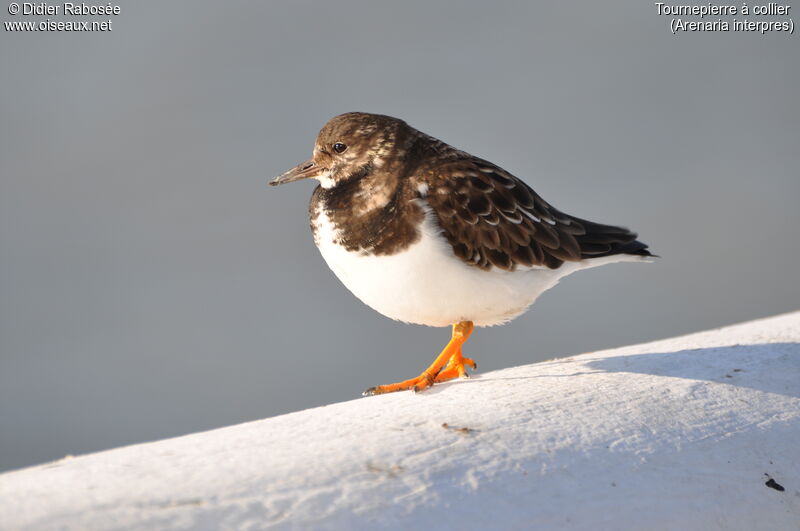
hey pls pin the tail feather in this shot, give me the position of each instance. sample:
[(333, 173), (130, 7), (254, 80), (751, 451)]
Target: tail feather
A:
[(607, 240)]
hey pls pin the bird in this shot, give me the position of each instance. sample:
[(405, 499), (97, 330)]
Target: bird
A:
[(428, 234)]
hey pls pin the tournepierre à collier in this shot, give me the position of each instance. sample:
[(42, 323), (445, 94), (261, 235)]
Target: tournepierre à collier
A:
[(425, 233)]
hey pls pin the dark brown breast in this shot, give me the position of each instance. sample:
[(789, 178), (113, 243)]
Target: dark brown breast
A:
[(372, 215)]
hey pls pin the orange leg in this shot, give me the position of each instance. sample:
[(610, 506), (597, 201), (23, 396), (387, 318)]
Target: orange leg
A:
[(449, 364)]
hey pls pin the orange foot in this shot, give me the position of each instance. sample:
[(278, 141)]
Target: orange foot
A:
[(455, 368), (448, 365)]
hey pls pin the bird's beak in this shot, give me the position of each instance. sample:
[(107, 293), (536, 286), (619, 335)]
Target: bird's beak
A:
[(305, 170)]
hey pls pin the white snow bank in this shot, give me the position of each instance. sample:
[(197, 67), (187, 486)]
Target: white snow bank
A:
[(677, 434)]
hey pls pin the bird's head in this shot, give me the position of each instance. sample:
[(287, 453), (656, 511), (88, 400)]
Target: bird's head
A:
[(351, 145)]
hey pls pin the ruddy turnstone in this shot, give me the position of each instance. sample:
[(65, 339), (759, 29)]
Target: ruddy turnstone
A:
[(425, 233)]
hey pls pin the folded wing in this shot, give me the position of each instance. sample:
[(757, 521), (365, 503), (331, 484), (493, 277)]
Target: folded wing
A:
[(493, 219)]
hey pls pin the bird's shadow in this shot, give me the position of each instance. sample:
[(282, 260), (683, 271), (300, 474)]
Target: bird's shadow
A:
[(739, 365)]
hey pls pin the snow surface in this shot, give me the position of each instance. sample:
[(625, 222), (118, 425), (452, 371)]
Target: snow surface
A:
[(682, 433)]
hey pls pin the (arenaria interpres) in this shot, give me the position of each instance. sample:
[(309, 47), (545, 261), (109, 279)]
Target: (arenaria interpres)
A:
[(425, 233)]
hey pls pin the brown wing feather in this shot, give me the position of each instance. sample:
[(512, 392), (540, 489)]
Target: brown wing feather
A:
[(493, 219)]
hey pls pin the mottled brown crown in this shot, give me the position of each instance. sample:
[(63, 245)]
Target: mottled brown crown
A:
[(370, 141)]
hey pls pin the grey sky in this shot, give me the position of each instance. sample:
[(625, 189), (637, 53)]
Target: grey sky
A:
[(152, 285)]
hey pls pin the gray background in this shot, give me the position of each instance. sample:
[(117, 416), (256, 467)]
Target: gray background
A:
[(152, 285)]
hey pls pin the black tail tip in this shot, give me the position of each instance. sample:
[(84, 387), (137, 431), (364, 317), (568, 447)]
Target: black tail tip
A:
[(637, 248)]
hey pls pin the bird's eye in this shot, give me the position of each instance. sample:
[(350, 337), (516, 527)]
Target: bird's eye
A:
[(338, 147)]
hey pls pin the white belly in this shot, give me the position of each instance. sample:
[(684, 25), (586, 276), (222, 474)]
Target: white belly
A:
[(427, 284)]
